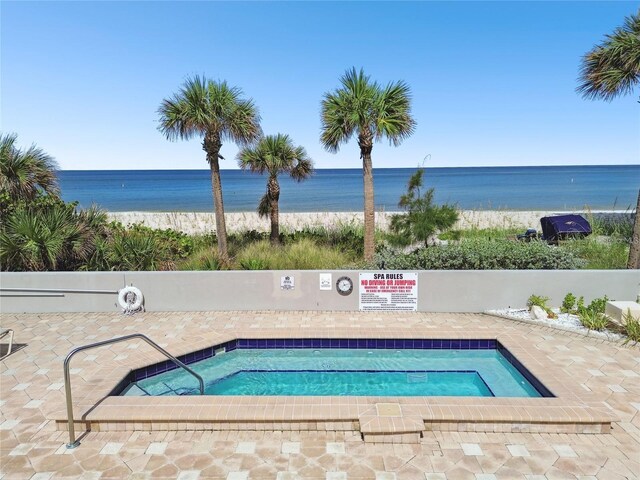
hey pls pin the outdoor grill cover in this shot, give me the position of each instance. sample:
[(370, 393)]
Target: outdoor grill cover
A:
[(561, 226)]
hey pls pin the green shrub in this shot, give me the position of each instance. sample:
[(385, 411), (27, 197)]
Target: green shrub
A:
[(598, 305), (175, 244), (49, 235), (569, 303), (593, 320), (580, 304), (135, 251), (479, 254), (631, 327), (593, 316), (494, 233), (388, 258)]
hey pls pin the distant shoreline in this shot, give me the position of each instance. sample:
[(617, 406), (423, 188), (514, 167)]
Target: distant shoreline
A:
[(426, 167), (203, 222)]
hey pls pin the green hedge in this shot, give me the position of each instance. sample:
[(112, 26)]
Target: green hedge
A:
[(480, 254)]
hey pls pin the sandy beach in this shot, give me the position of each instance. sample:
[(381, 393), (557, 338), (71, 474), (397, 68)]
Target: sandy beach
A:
[(201, 222)]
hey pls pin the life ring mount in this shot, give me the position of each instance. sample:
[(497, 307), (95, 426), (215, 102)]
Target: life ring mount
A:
[(130, 299)]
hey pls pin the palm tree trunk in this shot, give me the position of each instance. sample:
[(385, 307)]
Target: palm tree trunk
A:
[(274, 196), (365, 141), (212, 145), (634, 249)]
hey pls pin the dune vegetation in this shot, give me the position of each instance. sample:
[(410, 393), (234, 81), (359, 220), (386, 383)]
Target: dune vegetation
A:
[(41, 232)]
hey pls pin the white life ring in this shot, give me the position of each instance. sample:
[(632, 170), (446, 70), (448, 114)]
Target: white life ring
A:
[(130, 299)]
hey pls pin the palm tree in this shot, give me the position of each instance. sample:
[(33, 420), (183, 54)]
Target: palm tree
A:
[(610, 69), (275, 154), (215, 111), (25, 174), (55, 237), (371, 112)]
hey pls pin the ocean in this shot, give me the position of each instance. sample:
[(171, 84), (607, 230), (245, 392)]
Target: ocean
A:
[(340, 190)]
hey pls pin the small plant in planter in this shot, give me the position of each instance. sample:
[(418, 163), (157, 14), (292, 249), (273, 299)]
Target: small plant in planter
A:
[(593, 317), (598, 304), (593, 320), (579, 304), (631, 327), (569, 303), (540, 301)]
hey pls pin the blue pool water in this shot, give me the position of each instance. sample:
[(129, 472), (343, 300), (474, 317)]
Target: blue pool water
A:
[(344, 371), (356, 383)]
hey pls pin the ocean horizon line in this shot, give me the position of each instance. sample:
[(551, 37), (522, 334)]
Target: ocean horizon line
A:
[(560, 188), (349, 168)]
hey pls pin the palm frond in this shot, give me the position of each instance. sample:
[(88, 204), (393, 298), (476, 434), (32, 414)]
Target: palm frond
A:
[(24, 174), (612, 68), (264, 206), (363, 106), (205, 106)]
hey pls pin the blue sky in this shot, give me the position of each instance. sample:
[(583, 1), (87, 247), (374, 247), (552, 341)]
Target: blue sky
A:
[(493, 83)]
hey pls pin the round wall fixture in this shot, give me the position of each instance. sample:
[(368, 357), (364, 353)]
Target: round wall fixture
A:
[(344, 286)]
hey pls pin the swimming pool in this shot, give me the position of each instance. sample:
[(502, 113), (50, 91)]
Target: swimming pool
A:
[(343, 367)]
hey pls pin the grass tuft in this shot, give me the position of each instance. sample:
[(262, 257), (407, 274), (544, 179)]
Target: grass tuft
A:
[(304, 254)]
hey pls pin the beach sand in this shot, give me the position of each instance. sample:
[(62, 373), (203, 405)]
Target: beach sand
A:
[(201, 222)]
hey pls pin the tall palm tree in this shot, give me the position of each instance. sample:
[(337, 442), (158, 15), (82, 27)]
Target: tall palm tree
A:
[(24, 174), (275, 154), (370, 111), (215, 111), (610, 69)]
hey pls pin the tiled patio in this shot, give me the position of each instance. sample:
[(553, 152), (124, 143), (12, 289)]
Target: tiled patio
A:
[(32, 394)]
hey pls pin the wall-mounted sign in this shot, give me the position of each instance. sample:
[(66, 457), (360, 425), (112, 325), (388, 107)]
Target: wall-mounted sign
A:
[(388, 291), (288, 282), (325, 281)]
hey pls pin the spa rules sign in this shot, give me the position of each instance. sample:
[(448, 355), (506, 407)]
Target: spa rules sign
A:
[(388, 292)]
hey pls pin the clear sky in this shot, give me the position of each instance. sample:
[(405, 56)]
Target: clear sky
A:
[(493, 83)]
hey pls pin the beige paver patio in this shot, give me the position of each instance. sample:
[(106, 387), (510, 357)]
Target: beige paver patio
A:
[(31, 390)]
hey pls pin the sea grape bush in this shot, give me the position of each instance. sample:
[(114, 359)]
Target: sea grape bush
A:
[(598, 305), (480, 254)]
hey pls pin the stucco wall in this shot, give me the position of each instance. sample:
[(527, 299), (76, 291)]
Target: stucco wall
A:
[(438, 291)]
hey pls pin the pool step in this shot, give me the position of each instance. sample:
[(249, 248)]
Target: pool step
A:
[(391, 429), (379, 421)]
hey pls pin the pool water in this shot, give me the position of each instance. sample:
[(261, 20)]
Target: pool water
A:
[(354, 372), (351, 383)]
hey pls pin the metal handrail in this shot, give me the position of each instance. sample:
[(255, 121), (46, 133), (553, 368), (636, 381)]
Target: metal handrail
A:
[(73, 443)]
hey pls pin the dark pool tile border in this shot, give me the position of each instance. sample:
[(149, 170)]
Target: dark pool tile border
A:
[(354, 343), (524, 371), (362, 343)]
